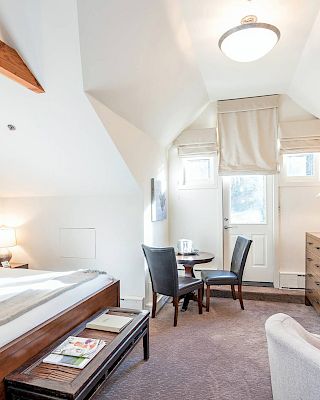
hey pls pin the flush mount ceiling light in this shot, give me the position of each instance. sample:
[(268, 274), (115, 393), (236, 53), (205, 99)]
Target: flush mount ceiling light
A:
[(249, 41)]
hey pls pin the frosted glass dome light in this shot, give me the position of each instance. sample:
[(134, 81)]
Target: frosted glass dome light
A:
[(249, 41)]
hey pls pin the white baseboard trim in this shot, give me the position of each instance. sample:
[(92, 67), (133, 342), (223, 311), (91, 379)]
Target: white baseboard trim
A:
[(134, 302), (292, 280)]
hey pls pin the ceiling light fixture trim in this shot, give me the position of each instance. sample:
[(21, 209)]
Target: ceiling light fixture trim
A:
[(242, 45)]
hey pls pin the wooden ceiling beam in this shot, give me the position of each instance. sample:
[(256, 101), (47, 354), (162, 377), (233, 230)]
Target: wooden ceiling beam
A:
[(13, 67)]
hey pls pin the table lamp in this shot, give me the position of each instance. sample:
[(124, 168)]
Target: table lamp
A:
[(7, 239)]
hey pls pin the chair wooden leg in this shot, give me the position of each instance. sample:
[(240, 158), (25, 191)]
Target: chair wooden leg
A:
[(240, 296), (208, 298), (176, 309), (154, 304), (200, 296), (233, 292)]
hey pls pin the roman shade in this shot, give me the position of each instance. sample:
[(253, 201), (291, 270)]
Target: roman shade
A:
[(247, 135), (194, 142), (300, 136)]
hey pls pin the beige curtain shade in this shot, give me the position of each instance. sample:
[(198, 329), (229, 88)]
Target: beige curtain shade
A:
[(300, 136), (247, 132), (196, 142)]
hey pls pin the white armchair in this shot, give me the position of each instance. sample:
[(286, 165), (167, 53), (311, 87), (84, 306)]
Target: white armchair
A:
[(294, 357)]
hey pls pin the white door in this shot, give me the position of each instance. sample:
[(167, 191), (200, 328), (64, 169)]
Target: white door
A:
[(248, 211)]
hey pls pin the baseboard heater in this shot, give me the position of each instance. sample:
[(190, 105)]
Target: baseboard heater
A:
[(290, 280)]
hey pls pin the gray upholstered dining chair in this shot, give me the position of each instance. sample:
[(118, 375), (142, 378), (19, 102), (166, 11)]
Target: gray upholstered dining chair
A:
[(232, 277), (163, 270)]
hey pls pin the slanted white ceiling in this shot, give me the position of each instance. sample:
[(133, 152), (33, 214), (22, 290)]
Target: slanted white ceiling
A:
[(157, 62), (60, 146), (138, 59), (305, 86)]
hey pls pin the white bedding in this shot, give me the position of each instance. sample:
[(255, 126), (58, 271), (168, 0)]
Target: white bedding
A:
[(10, 279)]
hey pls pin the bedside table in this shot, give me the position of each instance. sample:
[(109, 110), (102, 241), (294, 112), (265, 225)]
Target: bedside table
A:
[(19, 265)]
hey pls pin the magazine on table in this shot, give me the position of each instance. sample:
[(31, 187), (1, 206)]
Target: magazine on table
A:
[(59, 355), (77, 347)]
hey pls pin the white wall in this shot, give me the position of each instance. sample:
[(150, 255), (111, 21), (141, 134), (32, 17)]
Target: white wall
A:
[(194, 213), (119, 232), (299, 213)]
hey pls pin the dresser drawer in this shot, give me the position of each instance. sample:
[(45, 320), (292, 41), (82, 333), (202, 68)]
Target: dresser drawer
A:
[(313, 270), (313, 245), (313, 283), (312, 263), (313, 289), (314, 298)]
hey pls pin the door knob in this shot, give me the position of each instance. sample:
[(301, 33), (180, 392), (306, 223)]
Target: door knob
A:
[(228, 227)]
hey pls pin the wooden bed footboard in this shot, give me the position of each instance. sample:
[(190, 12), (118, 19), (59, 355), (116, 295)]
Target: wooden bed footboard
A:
[(17, 352)]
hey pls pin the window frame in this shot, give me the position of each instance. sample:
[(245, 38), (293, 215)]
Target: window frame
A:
[(210, 183), (286, 180)]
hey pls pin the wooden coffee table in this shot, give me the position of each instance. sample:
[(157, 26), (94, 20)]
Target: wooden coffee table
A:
[(41, 381)]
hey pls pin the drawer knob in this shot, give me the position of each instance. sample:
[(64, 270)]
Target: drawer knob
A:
[(309, 259), (310, 243), (317, 265), (318, 248)]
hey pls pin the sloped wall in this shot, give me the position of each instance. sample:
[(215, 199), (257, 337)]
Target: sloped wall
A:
[(146, 159)]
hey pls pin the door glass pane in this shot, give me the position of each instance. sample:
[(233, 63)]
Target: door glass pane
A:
[(248, 199)]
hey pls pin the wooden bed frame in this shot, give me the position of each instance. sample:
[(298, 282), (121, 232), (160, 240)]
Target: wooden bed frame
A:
[(17, 352)]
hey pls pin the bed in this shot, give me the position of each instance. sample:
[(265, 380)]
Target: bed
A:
[(27, 333)]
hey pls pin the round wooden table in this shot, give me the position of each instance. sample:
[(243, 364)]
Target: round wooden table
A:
[(189, 262)]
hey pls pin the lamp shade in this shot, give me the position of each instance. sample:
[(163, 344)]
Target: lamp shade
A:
[(7, 237)]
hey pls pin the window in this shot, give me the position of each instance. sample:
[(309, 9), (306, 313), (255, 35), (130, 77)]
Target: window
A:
[(248, 199), (300, 164), (300, 168), (198, 172)]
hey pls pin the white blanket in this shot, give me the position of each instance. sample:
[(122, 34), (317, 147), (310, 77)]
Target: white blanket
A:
[(21, 292), (38, 315)]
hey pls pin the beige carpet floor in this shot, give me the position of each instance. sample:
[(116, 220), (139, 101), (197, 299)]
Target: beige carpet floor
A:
[(220, 355)]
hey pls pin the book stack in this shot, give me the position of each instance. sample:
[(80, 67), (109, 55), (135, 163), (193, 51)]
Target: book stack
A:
[(75, 352), (109, 322)]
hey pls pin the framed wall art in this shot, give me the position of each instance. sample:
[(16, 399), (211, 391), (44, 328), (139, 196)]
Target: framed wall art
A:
[(158, 201)]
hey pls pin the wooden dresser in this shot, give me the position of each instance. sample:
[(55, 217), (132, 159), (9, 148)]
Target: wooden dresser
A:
[(313, 270)]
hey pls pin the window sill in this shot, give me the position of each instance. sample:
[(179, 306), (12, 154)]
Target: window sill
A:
[(193, 187), (299, 184)]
